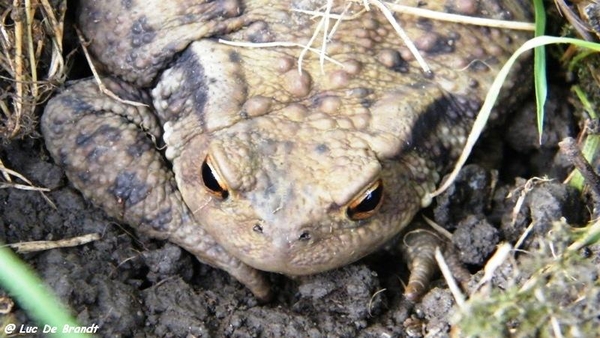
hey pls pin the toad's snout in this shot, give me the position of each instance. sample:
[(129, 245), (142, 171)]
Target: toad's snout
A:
[(282, 239), (281, 248)]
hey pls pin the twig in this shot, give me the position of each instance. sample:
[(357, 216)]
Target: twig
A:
[(569, 147), (35, 246)]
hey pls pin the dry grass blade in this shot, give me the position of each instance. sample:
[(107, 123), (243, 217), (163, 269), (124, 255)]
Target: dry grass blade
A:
[(437, 227), (31, 50), (459, 297), (7, 173), (319, 27), (325, 14), (326, 18), (35, 246), (339, 19), (370, 306), (580, 26), (101, 85), (323, 25), (31, 63), (470, 20), (500, 256), (4, 185), (18, 70), (56, 25), (407, 41)]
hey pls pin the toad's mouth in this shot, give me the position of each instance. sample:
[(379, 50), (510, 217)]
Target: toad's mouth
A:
[(306, 252)]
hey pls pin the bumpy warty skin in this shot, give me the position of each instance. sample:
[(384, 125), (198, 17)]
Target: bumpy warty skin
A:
[(294, 140)]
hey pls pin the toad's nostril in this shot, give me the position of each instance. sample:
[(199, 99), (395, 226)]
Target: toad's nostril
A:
[(304, 236), (258, 228)]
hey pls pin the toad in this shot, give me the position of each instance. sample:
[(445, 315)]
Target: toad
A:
[(272, 137)]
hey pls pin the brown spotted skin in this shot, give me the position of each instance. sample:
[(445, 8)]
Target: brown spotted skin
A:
[(295, 147)]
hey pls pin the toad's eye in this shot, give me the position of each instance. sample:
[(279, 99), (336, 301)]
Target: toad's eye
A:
[(366, 203), (213, 182)]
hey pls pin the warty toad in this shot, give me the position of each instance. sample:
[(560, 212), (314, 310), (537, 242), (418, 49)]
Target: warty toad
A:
[(273, 161)]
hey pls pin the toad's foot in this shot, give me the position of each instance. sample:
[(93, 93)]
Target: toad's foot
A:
[(107, 150), (418, 246)]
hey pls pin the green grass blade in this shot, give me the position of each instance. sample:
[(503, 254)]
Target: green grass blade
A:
[(33, 296), (539, 66), (490, 99)]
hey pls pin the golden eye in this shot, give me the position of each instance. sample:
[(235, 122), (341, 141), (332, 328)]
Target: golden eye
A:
[(366, 203), (213, 182)]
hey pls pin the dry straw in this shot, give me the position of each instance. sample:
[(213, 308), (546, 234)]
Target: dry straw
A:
[(31, 61)]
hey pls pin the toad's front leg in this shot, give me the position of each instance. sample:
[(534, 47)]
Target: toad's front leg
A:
[(107, 150)]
